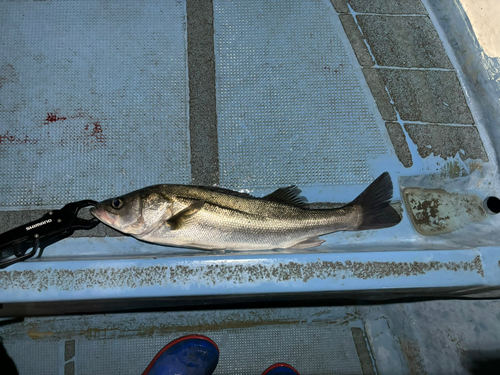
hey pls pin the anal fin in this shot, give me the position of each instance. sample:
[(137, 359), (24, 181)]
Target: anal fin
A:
[(307, 243)]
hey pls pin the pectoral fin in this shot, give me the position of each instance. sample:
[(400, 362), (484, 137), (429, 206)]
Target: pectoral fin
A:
[(185, 216)]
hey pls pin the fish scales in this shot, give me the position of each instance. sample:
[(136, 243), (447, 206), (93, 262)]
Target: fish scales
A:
[(251, 222)]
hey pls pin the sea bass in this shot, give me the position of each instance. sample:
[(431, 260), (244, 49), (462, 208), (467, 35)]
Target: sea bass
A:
[(214, 218)]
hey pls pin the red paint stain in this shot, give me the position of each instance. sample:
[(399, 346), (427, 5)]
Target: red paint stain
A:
[(53, 117), (92, 137), (97, 132), (330, 69), (15, 140)]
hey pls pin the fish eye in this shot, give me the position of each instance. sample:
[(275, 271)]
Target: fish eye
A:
[(117, 203)]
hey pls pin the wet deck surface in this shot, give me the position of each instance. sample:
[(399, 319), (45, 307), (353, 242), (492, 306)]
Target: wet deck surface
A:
[(420, 338)]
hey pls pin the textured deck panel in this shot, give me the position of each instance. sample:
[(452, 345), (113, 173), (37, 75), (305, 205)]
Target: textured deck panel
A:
[(243, 351), (248, 342), (290, 106), (93, 99)]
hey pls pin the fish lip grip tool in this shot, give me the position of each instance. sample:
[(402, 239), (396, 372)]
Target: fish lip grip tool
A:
[(23, 242)]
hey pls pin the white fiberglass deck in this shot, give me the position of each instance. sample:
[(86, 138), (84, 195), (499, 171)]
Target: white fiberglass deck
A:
[(293, 107)]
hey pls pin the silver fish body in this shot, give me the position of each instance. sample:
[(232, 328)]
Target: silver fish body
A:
[(213, 218)]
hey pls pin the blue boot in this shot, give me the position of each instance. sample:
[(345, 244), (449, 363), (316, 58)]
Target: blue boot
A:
[(280, 369), (188, 355)]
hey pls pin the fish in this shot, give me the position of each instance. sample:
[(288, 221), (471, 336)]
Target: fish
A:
[(212, 218)]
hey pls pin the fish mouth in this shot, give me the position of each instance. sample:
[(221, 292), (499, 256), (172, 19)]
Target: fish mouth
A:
[(102, 215)]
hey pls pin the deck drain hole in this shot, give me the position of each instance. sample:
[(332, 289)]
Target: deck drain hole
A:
[(492, 205)]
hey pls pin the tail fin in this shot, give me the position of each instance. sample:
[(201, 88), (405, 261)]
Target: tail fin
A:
[(375, 203)]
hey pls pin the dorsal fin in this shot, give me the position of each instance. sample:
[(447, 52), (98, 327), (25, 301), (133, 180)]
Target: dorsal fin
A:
[(288, 195)]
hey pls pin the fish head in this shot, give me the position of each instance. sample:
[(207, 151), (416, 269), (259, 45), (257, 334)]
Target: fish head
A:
[(136, 213)]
